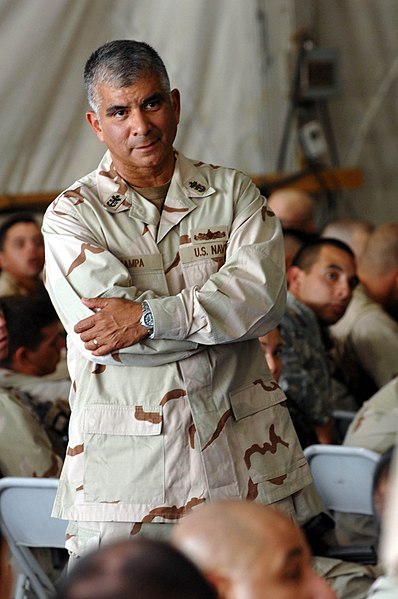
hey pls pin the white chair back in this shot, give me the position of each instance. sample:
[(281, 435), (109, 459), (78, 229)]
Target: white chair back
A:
[(25, 522), (343, 476)]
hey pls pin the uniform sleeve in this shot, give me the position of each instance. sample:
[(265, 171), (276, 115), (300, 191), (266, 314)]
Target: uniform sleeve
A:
[(305, 375), (246, 298), (25, 449), (373, 338), (78, 266)]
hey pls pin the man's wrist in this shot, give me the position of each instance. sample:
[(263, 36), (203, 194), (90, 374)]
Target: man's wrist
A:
[(147, 319)]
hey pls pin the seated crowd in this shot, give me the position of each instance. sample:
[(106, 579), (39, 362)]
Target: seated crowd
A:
[(335, 349)]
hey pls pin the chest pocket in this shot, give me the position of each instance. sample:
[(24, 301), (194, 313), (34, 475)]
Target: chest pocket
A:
[(200, 261), (146, 272)]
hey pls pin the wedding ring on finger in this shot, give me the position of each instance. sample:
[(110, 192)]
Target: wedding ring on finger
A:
[(95, 342)]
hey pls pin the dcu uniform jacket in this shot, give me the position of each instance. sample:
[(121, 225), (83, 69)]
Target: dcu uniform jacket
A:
[(192, 414)]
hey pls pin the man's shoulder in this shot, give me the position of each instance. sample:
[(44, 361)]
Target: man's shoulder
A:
[(8, 285), (213, 173), (362, 309), (298, 314), (385, 399), (86, 187), (10, 402)]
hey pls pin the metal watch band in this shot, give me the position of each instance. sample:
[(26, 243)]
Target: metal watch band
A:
[(147, 317)]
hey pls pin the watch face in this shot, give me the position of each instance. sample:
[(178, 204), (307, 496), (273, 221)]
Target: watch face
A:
[(148, 320)]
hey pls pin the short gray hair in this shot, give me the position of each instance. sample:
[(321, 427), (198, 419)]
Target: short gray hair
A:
[(120, 63)]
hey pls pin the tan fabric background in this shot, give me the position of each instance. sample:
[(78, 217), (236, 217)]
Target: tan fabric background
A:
[(231, 59)]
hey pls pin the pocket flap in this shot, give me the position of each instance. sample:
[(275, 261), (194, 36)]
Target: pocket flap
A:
[(123, 420), (255, 397)]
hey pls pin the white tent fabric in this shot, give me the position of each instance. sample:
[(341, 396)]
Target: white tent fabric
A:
[(232, 61), (365, 114), (214, 51)]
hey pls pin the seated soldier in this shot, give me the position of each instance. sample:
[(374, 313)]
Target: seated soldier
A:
[(294, 207), (353, 231), (251, 550), (321, 281), (366, 338), (386, 586), (36, 342), (21, 256), (33, 424), (374, 427)]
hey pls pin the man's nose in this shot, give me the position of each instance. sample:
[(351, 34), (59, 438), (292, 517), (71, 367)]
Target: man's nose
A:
[(344, 290), (272, 364), (139, 123)]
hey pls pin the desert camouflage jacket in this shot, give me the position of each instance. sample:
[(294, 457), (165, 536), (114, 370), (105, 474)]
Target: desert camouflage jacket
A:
[(25, 447), (375, 425), (366, 340), (192, 414)]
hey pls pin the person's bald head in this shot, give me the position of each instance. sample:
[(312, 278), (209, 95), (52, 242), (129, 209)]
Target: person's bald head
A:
[(378, 265), (354, 232), (250, 550), (294, 207)]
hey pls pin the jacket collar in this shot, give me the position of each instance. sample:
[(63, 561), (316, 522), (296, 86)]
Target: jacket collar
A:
[(187, 183)]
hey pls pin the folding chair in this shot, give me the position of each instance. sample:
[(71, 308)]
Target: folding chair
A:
[(343, 477), (25, 522)]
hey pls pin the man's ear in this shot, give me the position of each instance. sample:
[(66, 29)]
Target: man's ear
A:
[(95, 124), (176, 101), (20, 359), (294, 278)]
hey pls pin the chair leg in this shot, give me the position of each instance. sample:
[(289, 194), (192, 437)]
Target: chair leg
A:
[(21, 587)]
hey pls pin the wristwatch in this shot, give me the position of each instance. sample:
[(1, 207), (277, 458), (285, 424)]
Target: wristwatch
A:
[(147, 318)]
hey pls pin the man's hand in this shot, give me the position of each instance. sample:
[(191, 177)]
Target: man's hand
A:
[(115, 325)]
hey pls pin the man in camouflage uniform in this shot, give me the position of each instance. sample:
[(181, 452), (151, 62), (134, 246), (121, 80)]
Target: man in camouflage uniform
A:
[(366, 338), (321, 280), (183, 266), (25, 446), (35, 341), (375, 425)]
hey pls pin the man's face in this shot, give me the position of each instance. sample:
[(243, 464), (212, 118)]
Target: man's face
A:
[(138, 124), (327, 287), (23, 251), (271, 344), (283, 570), (46, 357)]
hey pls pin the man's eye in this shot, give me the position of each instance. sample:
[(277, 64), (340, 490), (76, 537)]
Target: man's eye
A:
[(152, 105), (294, 574), (18, 245), (332, 276)]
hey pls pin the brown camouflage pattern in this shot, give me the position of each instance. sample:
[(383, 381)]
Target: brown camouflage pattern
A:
[(193, 414)]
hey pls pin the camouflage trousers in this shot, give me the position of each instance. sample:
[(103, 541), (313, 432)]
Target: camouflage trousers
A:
[(82, 537)]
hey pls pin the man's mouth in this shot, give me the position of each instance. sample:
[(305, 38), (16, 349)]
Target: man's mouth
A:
[(146, 146), (338, 308)]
